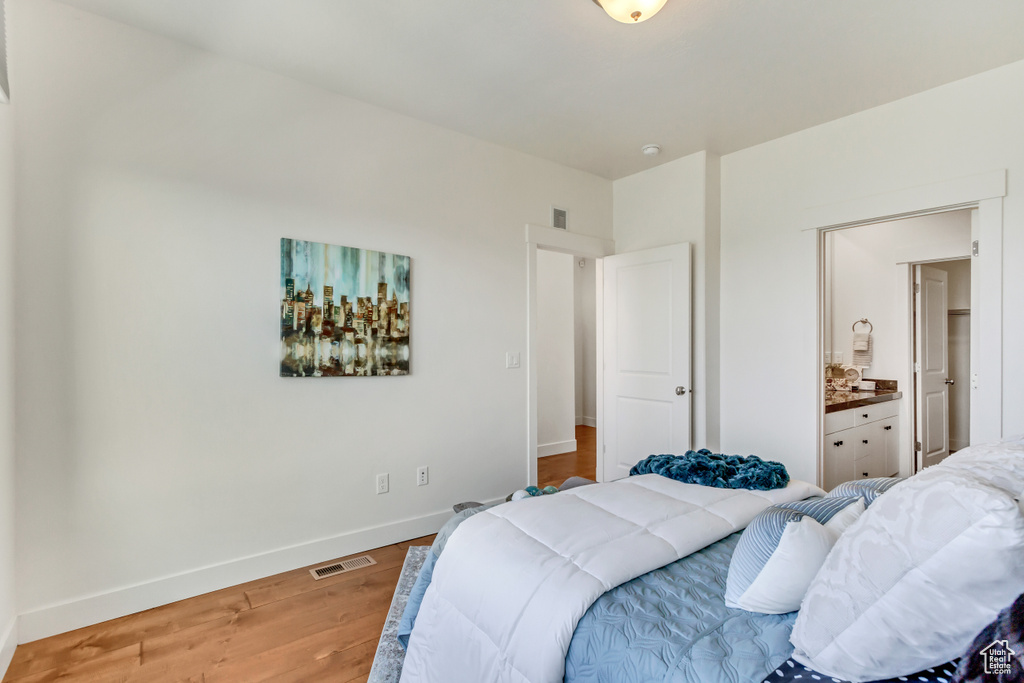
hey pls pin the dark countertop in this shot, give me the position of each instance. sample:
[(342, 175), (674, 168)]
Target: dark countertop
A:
[(844, 400)]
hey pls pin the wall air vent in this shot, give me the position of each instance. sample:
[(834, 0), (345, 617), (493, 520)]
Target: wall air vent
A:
[(559, 218), (342, 567)]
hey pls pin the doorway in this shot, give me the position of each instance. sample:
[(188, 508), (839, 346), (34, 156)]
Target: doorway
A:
[(942, 359), (982, 195), (543, 239), (567, 367), (886, 299)]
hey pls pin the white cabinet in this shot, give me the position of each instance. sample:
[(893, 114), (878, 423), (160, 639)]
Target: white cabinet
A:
[(861, 443)]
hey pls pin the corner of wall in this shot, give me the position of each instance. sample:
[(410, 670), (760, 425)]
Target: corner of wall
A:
[(712, 295)]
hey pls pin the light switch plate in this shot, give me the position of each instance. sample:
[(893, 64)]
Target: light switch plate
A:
[(511, 360)]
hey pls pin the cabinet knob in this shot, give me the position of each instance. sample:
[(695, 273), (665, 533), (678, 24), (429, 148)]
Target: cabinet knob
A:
[(865, 474), (865, 440), (888, 427), (864, 415), (837, 443)]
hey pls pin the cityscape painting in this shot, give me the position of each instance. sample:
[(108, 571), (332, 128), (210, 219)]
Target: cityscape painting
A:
[(344, 311)]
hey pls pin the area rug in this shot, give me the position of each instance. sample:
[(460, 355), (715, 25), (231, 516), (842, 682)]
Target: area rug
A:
[(387, 663)]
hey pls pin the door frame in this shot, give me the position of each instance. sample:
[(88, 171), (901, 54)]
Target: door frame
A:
[(552, 239), (983, 192)]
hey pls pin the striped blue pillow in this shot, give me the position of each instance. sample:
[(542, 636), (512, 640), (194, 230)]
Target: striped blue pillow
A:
[(868, 489), (782, 549)]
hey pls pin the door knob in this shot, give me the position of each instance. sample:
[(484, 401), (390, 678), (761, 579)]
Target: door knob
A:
[(680, 391), (950, 382)]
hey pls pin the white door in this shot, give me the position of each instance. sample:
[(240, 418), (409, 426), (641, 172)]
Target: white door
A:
[(932, 291), (646, 356)]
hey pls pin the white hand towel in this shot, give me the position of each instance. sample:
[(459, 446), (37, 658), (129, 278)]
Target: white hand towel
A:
[(862, 359), (860, 341)]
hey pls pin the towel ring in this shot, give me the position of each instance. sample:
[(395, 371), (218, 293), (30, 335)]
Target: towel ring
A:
[(864, 321)]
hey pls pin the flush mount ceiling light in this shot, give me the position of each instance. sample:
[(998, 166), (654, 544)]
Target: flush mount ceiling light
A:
[(631, 11), (651, 150)]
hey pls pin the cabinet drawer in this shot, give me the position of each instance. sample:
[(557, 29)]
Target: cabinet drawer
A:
[(839, 462), (867, 440), (841, 419), (873, 412)]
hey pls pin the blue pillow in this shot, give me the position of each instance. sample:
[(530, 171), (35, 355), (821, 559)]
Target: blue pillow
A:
[(782, 549), (868, 489)]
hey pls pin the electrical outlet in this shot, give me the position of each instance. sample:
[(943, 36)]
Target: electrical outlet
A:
[(423, 476), (828, 357), (382, 483)]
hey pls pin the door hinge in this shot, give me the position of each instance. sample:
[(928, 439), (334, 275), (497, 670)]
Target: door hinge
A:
[(917, 288), (917, 446), (974, 248), (917, 366)]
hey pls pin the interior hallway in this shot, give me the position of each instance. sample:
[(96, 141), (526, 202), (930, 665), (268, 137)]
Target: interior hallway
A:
[(555, 469)]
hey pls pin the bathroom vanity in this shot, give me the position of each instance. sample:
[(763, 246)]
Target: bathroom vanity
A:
[(861, 435)]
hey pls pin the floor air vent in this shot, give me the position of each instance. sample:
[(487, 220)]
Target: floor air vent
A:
[(342, 567)]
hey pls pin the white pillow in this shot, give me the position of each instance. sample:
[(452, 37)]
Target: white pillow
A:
[(782, 549), (926, 567)]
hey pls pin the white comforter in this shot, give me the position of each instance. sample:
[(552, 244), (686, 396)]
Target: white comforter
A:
[(514, 580)]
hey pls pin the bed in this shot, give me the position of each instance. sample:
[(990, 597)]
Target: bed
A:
[(667, 624)]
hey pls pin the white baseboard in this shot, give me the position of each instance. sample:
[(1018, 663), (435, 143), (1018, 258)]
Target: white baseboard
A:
[(60, 618), (546, 449), (586, 421), (8, 641)]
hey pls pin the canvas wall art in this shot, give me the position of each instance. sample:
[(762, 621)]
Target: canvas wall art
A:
[(344, 311)]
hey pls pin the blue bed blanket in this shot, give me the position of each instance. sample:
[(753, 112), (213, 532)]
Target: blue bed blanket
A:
[(714, 469), (672, 625)]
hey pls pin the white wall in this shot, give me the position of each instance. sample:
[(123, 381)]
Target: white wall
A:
[(585, 310), (865, 277), (556, 364), (672, 203), (959, 282), (768, 292), (8, 606), (160, 455)]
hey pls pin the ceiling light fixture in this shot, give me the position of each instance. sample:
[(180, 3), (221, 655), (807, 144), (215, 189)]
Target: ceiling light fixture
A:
[(651, 150), (631, 11)]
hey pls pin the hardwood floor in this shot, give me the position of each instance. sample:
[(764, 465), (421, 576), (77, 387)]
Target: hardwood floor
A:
[(554, 469), (281, 629), (284, 628)]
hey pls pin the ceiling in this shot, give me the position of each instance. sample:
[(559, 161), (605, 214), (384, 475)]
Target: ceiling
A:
[(561, 80)]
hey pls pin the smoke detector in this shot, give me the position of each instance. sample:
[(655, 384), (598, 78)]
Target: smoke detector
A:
[(651, 150)]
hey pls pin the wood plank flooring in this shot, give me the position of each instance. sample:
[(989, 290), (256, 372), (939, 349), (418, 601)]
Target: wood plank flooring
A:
[(555, 469), (285, 628), (282, 629)]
